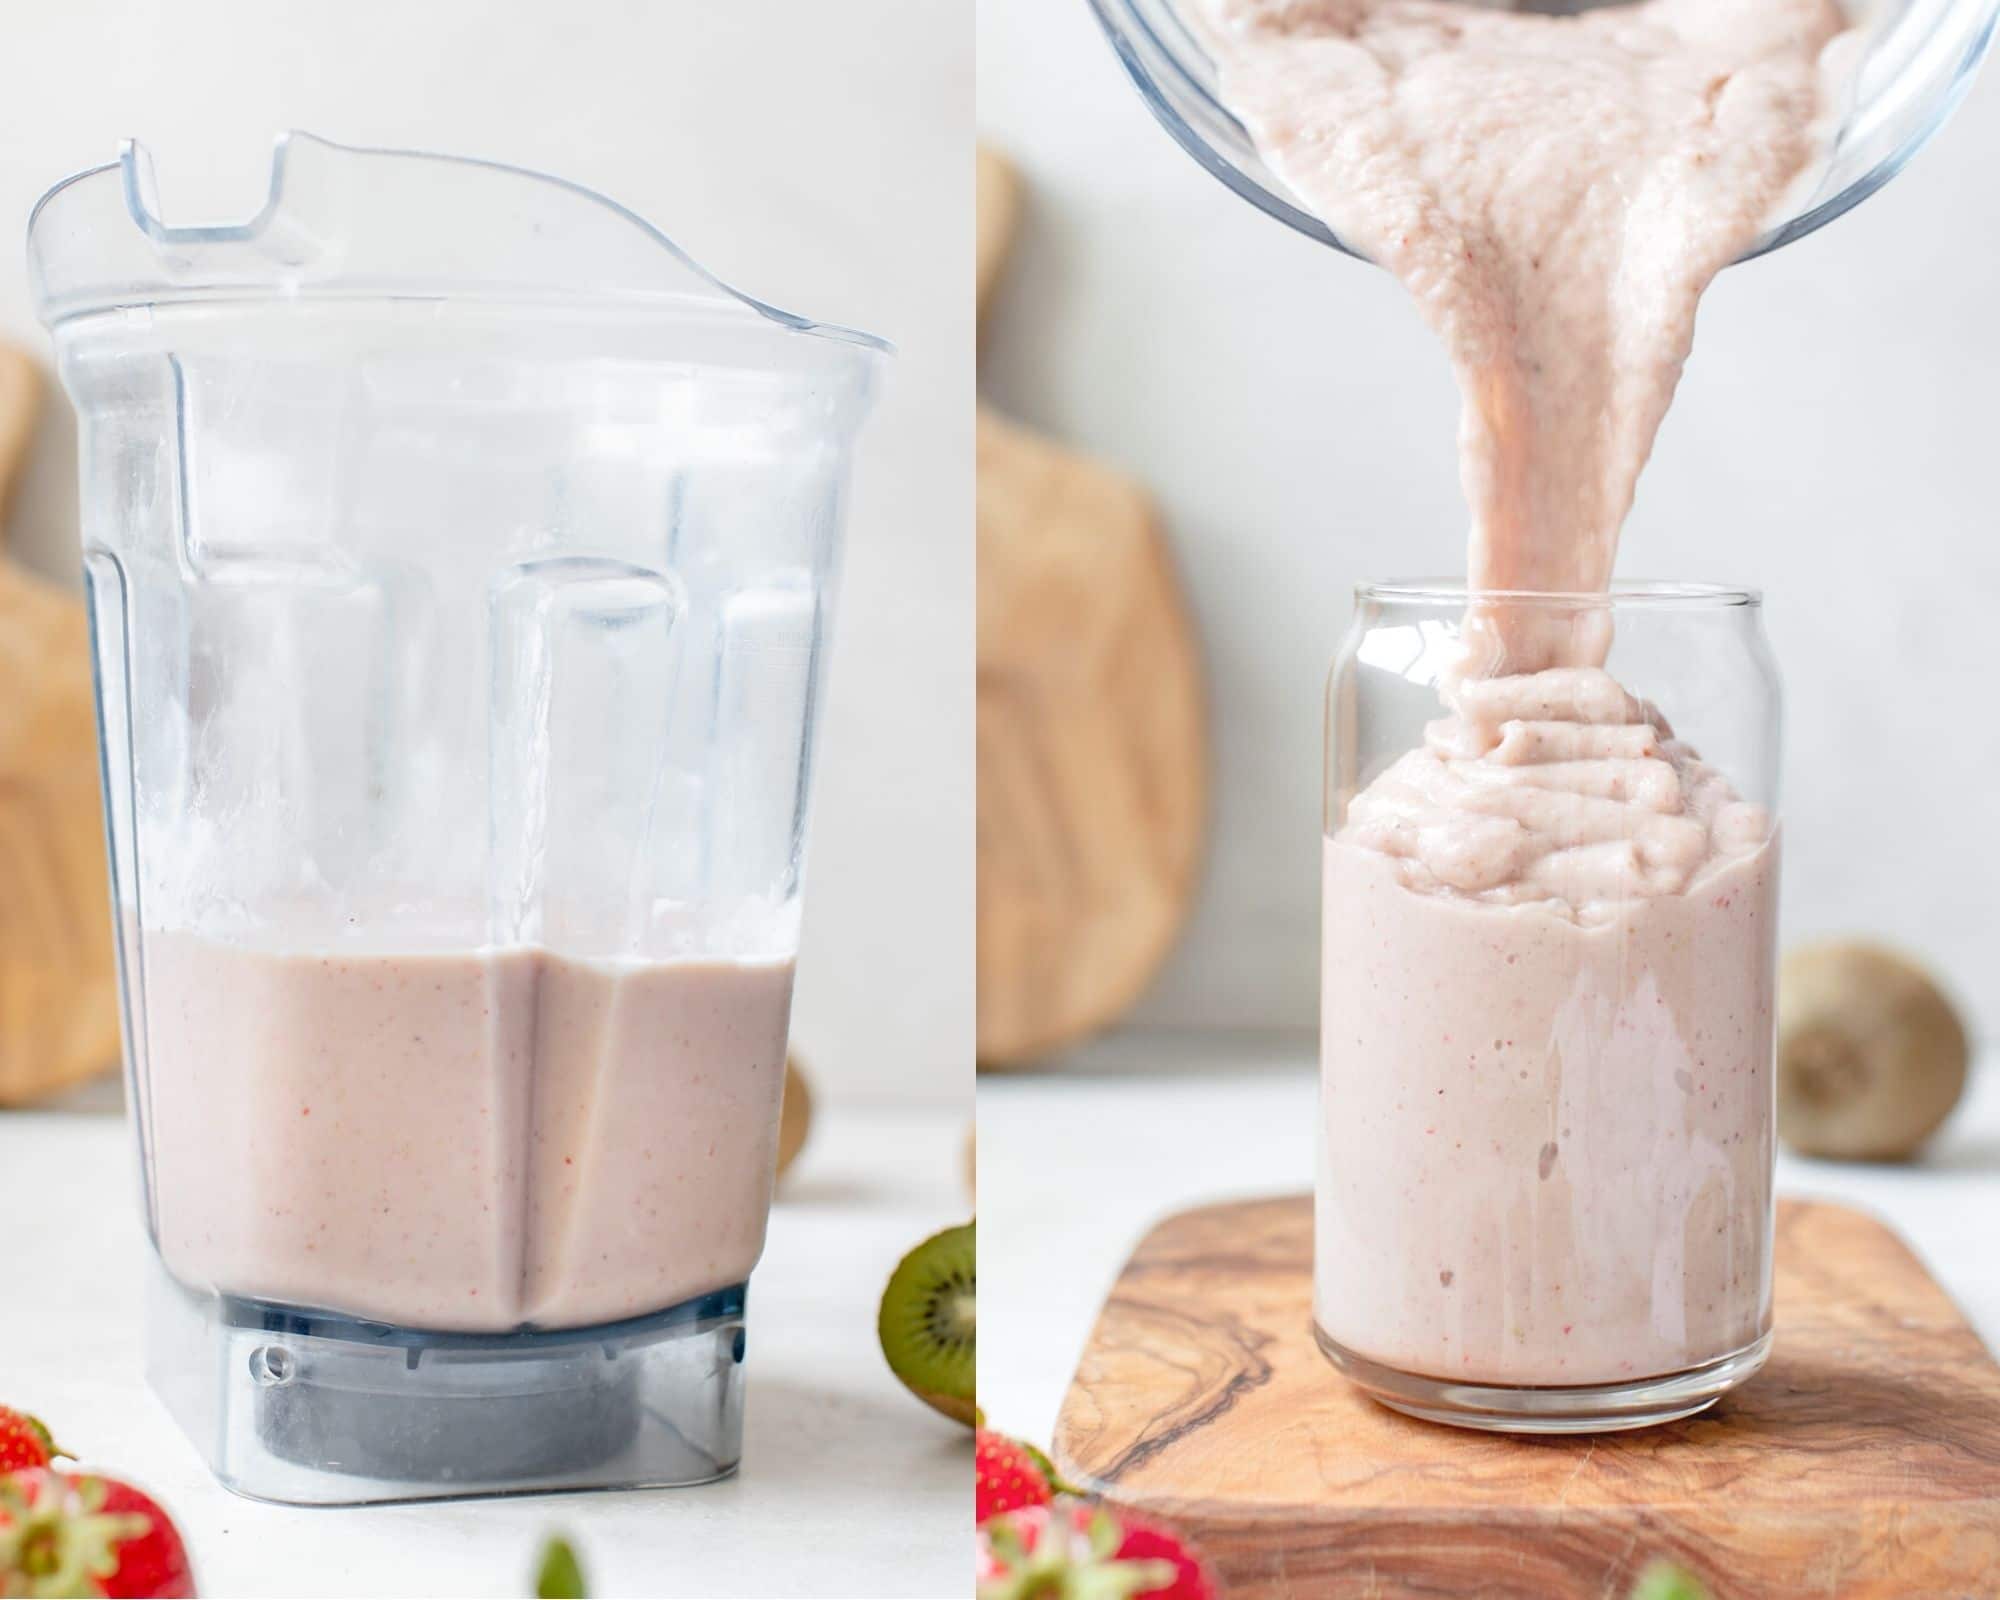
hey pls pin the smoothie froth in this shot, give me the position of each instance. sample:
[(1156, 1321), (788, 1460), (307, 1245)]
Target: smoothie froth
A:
[(1556, 788)]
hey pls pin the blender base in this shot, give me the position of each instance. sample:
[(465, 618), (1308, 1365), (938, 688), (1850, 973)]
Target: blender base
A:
[(311, 1408)]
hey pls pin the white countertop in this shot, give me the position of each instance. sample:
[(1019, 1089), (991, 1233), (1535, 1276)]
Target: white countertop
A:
[(849, 1486), (1075, 1165)]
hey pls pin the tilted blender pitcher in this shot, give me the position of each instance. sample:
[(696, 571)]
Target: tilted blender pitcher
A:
[(1917, 61), (460, 558)]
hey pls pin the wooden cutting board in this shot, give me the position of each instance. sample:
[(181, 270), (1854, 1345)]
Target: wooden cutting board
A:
[(1862, 1463)]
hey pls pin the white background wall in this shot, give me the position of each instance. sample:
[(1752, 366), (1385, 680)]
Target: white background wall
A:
[(1833, 442), (816, 156)]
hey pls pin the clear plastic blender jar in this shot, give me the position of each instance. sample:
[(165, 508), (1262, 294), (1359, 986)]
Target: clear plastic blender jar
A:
[(461, 558), (1916, 61)]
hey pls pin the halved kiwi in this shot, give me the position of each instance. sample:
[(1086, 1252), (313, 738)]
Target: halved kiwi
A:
[(928, 1322)]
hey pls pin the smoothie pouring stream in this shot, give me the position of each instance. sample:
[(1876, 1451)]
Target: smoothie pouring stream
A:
[(1547, 989)]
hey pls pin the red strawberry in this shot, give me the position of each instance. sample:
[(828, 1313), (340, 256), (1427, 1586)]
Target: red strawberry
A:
[(1005, 1476), (1148, 1541), (1070, 1550), (24, 1442), (68, 1534)]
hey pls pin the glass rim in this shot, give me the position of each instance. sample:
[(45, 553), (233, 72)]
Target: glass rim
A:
[(1627, 595)]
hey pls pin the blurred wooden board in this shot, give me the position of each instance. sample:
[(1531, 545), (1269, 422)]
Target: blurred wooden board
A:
[(1863, 1462), (1092, 742), (999, 216), (58, 994), (1092, 745), (20, 404)]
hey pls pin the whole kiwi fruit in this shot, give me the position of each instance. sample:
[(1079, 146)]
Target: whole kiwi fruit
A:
[(1871, 1054)]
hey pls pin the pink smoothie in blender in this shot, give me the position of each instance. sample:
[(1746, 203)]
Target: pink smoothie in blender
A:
[(473, 1142)]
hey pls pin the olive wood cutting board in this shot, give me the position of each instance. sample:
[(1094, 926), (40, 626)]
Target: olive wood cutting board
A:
[(1862, 1463)]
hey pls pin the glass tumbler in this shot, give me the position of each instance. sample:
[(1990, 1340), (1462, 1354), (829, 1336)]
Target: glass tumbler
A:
[(1543, 1197), (461, 559)]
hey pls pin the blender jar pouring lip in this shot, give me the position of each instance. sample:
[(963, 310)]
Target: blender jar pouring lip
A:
[(1929, 75), (347, 221)]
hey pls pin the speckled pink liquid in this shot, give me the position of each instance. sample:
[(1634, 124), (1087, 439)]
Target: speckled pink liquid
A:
[(461, 1141), (1548, 1010)]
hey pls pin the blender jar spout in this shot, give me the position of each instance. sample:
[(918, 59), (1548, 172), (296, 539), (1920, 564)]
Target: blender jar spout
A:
[(341, 220)]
